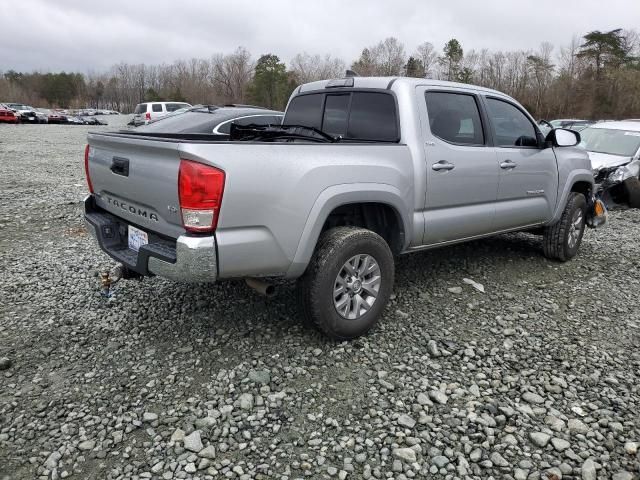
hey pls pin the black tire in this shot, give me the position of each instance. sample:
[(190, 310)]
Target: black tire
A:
[(316, 287), (632, 191), (556, 242)]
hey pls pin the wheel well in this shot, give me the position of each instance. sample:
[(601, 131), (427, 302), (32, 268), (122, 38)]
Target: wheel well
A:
[(377, 217), (583, 188)]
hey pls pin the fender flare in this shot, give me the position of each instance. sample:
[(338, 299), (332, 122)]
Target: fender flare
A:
[(336, 196), (573, 178)]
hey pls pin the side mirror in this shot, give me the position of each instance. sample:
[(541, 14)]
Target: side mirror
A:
[(561, 137)]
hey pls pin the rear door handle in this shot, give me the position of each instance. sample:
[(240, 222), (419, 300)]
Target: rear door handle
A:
[(508, 165), (443, 165)]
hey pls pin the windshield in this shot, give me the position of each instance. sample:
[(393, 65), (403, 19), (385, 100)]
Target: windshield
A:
[(614, 142)]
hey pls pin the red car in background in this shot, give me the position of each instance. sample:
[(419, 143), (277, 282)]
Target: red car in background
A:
[(7, 115), (57, 117)]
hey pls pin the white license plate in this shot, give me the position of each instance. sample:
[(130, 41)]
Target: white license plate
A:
[(32, 118), (137, 238)]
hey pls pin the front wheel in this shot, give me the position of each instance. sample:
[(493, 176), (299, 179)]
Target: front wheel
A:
[(562, 240), (347, 283)]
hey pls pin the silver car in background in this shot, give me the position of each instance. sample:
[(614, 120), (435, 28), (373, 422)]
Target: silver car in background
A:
[(614, 151)]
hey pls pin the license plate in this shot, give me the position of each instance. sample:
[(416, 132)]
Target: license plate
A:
[(32, 118), (137, 238)]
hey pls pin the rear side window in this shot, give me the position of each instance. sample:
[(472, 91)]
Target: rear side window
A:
[(140, 108), (373, 117), (157, 107), (454, 118), (511, 127), (353, 115)]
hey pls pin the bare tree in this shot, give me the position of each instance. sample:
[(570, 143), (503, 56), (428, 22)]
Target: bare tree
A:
[(427, 54), (391, 57), (231, 75), (387, 58), (308, 68)]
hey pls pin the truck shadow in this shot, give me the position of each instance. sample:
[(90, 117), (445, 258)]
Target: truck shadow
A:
[(234, 307)]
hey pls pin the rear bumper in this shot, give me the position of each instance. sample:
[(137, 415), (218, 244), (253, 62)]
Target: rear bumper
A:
[(186, 259)]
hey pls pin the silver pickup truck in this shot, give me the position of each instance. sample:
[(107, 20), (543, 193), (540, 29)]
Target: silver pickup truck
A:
[(362, 169)]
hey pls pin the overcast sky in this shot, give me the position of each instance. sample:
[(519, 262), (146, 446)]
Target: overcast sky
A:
[(84, 35)]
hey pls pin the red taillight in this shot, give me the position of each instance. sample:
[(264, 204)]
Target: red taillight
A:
[(147, 115), (86, 168), (200, 189)]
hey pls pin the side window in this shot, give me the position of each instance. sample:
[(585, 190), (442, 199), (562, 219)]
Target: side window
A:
[(336, 111), (511, 127), (373, 117), (225, 128), (261, 120), (455, 117), (157, 107), (254, 120)]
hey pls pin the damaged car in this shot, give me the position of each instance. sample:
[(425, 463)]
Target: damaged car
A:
[(614, 151)]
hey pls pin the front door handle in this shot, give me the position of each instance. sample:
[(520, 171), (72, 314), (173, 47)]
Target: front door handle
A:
[(443, 165), (508, 165)]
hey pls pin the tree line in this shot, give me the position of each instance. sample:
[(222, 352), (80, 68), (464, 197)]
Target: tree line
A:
[(596, 76)]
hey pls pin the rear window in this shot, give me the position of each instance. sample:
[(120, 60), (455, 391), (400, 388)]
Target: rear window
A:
[(352, 115), (172, 107), (305, 110), (140, 108)]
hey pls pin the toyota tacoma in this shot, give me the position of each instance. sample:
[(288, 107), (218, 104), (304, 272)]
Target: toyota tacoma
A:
[(361, 170)]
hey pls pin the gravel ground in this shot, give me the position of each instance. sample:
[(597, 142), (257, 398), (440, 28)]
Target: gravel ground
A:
[(536, 377)]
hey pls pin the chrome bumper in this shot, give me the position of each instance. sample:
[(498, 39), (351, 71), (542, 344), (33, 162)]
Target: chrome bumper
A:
[(190, 259)]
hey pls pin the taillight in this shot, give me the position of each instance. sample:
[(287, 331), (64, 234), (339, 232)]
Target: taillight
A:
[(200, 189), (86, 168), (147, 115)]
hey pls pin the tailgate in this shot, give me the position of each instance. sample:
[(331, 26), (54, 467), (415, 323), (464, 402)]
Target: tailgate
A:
[(137, 180)]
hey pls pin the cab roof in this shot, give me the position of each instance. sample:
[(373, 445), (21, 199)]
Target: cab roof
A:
[(389, 83)]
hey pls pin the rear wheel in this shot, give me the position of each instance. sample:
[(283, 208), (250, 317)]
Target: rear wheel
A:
[(347, 283), (562, 240)]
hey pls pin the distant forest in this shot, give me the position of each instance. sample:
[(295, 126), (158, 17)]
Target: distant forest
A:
[(596, 76)]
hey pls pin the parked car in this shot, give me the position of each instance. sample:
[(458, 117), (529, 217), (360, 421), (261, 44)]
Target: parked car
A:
[(145, 112), (571, 123), (7, 115), (210, 120), (57, 117), (362, 169), (75, 120), (42, 115), (26, 113), (614, 151), (93, 121)]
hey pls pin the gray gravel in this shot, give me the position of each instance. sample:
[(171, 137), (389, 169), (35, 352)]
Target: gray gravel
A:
[(537, 377)]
